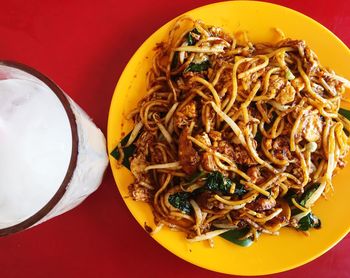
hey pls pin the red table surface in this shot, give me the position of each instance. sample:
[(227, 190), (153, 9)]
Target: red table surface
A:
[(84, 46)]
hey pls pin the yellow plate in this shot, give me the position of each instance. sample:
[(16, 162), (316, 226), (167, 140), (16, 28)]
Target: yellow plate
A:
[(270, 254)]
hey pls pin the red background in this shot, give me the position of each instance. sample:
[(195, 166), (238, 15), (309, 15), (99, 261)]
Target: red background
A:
[(84, 46)]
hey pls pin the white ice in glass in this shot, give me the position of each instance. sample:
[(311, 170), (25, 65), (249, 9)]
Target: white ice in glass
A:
[(35, 151)]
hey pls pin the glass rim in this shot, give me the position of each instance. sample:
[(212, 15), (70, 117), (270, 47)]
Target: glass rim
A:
[(31, 220)]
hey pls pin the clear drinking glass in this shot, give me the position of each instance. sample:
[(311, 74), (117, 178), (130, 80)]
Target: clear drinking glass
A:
[(85, 167)]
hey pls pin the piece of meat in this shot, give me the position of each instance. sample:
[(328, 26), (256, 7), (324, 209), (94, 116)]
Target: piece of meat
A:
[(188, 156), (262, 204), (189, 110), (140, 193), (187, 114), (298, 173), (137, 165), (298, 84), (312, 127), (295, 169), (286, 95), (237, 152), (202, 200), (215, 135), (225, 148), (281, 148), (208, 163), (276, 83), (255, 174), (144, 141), (204, 138)]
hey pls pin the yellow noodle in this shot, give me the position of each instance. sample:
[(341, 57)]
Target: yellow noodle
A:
[(210, 87), (256, 188), (235, 203), (234, 84), (298, 205), (256, 68), (204, 87), (255, 155), (296, 126), (266, 218)]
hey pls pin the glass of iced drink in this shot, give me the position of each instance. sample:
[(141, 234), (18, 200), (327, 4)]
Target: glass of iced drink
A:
[(52, 156)]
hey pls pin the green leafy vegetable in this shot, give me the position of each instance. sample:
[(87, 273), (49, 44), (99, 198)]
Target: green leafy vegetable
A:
[(128, 151), (295, 211), (198, 67), (180, 200), (218, 182), (308, 193), (345, 113), (196, 176), (309, 221), (175, 60), (190, 39), (289, 75), (288, 197), (240, 189), (235, 236)]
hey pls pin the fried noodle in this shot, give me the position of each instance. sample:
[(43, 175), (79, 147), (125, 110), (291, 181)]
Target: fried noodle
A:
[(264, 116)]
